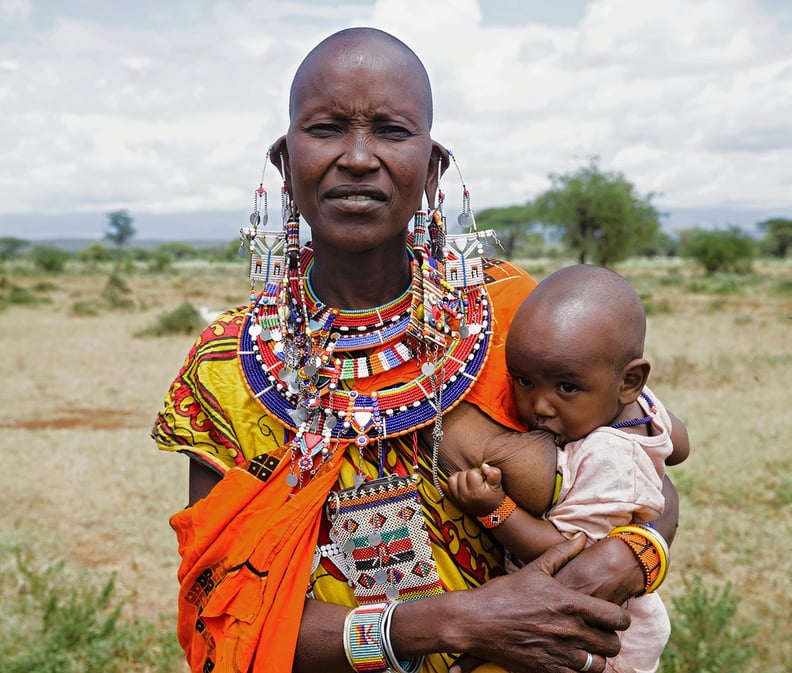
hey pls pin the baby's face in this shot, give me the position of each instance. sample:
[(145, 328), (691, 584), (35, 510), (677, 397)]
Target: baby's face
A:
[(565, 385), (568, 404)]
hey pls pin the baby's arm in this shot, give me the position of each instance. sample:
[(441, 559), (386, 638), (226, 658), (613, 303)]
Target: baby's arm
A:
[(679, 438), (479, 491)]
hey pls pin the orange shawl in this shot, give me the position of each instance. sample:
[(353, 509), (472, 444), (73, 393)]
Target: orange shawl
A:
[(247, 548), (246, 559)]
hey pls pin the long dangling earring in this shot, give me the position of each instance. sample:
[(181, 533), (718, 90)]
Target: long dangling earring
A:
[(436, 225), (264, 248), (291, 223), (464, 252)]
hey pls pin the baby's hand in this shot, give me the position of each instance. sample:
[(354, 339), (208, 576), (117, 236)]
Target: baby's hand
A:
[(477, 491)]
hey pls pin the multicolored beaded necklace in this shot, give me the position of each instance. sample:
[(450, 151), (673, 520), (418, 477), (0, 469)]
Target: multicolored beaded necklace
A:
[(296, 353)]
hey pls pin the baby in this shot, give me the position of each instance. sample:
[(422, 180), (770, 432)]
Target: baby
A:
[(575, 354)]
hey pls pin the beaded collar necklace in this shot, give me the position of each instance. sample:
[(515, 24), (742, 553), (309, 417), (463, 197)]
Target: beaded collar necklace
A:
[(639, 421), (295, 354)]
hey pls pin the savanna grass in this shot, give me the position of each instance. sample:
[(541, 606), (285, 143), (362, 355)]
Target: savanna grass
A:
[(56, 620)]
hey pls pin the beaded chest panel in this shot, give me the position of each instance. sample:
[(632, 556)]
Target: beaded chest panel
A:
[(382, 534)]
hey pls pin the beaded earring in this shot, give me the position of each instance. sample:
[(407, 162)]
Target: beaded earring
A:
[(464, 253), (291, 223), (265, 249)]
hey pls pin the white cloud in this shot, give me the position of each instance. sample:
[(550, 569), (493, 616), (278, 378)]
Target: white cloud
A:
[(690, 99), (12, 10)]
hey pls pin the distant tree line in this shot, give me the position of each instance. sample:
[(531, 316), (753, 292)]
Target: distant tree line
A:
[(600, 217), (115, 250)]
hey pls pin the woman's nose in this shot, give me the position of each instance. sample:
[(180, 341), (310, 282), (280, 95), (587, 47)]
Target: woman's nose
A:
[(358, 156)]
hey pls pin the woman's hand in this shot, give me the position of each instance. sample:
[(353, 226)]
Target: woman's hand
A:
[(526, 622)]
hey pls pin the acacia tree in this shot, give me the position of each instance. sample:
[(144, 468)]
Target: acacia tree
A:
[(119, 228), (778, 236), (511, 223), (600, 214)]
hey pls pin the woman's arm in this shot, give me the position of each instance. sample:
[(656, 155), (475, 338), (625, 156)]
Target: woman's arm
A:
[(202, 479), (526, 622)]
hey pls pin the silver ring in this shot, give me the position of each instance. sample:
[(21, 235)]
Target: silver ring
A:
[(589, 661)]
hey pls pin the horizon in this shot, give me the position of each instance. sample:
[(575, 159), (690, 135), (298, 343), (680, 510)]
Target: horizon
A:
[(223, 226)]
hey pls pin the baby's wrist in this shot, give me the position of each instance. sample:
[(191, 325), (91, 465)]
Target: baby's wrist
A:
[(499, 514)]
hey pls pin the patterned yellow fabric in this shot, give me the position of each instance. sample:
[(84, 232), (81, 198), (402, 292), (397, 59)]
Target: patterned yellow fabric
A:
[(210, 414)]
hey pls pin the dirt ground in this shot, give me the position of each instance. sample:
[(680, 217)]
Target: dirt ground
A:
[(82, 480)]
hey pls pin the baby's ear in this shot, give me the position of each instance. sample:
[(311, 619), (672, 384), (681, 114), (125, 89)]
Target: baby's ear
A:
[(634, 377)]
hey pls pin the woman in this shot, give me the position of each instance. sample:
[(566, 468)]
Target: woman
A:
[(361, 359)]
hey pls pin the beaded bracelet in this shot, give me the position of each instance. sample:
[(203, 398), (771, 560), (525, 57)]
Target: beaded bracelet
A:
[(497, 516), (396, 666), (363, 639), (651, 550)]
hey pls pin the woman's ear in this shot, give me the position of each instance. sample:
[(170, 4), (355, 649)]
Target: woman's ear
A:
[(438, 162), (279, 156), (634, 377)]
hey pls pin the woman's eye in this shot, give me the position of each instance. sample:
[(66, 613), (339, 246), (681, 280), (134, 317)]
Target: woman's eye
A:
[(323, 130), (394, 131)]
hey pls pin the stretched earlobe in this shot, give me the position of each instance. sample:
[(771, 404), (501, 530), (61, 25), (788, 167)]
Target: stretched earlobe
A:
[(438, 163), (279, 156)]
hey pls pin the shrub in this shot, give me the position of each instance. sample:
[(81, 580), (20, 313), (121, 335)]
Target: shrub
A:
[(94, 254), (703, 638), (85, 309), (720, 250), (58, 621), (10, 246), (185, 319), (116, 291), (160, 261), (48, 258)]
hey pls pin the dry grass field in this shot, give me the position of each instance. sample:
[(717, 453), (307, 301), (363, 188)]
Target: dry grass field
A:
[(82, 481)]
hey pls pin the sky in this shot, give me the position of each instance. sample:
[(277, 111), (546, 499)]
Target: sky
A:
[(165, 108)]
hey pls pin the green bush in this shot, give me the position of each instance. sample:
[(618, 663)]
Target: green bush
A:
[(58, 621), (703, 638), (11, 293), (160, 261), (720, 250), (85, 309), (10, 246), (95, 254), (116, 292), (184, 319), (48, 258)]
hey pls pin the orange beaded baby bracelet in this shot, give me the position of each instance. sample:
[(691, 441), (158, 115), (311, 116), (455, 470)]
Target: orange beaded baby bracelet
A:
[(497, 516)]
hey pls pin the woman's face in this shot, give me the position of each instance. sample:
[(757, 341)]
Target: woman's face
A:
[(359, 146)]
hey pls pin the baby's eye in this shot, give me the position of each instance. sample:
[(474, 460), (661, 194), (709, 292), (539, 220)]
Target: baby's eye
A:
[(523, 382), (567, 388)]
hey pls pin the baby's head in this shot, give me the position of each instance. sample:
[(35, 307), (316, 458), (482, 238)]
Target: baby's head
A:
[(575, 351)]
